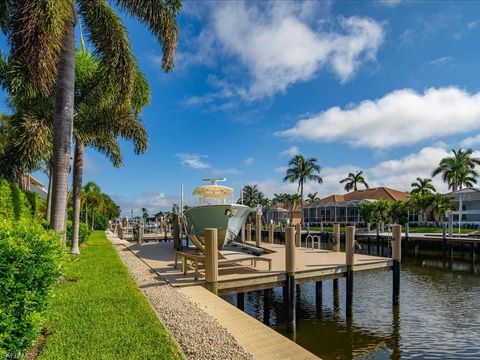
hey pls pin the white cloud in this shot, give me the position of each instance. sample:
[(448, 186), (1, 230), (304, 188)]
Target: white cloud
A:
[(441, 61), (153, 201), (473, 24), (401, 117), (470, 141), (280, 169), (291, 151), (193, 160), (393, 173), (278, 45), (249, 161)]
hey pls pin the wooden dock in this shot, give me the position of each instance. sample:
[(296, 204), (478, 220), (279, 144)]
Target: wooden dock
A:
[(256, 338), (311, 265)]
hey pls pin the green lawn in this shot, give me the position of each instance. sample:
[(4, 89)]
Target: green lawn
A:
[(99, 313)]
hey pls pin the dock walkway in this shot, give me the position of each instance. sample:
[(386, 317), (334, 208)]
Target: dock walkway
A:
[(255, 337)]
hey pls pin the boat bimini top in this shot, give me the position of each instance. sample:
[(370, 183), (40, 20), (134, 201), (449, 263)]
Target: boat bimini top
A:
[(213, 191)]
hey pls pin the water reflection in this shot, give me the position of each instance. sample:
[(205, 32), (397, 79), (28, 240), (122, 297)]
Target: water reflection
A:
[(438, 317)]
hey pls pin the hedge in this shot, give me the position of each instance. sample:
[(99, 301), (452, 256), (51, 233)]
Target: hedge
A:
[(83, 233), (17, 204), (30, 263)]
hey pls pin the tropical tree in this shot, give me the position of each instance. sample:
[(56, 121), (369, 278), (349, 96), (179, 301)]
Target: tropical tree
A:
[(313, 197), (252, 196), (41, 36), (440, 204), (302, 170), (144, 214), (458, 170), (422, 186), (91, 195), (353, 180), (420, 204)]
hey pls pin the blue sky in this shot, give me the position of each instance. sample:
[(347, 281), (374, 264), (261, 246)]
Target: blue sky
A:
[(387, 87)]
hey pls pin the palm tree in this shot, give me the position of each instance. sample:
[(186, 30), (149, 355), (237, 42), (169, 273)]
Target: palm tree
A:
[(440, 204), (100, 118), (353, 180), (422, 186), (92, 193), (420, 203), (251, 195), (313, 197), (458, 170), (41, 35), (302, 170)]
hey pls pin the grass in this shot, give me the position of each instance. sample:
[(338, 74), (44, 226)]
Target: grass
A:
[(99, 313)]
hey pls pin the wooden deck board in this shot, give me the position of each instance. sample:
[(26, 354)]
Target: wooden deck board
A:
[(255, 337)]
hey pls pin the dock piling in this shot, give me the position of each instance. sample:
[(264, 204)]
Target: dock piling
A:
[(211, 260), (241, 301), (271, 232), (318, 297), (290, 277), (176, 231), (249, 232), (336, 236), (397, 256), (120, 232), (298, 235), (349, 255), (258, 229)]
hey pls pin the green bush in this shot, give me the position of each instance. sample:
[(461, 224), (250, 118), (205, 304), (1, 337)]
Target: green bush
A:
[(6, 205), (30, 264), (100, 222), (83, 233), (16, 204)]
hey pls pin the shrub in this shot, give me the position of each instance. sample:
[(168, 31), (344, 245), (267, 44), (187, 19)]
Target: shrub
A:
[(100, 222), (30, 263), (83, 232)]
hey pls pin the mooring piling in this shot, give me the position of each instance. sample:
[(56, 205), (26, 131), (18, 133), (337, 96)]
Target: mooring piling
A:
[(336, 247), (211, 260), (318, 297), (349, 255), (298, 235), (290, 277), (241, 300), (397, 256), (258, 229), (271, 232), (249, 232)]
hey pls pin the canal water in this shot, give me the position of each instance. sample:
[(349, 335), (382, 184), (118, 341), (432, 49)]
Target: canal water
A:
[(438, 317)]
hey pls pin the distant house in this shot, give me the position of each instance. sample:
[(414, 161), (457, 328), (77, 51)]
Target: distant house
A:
[(467, 203), (36, 186), (284, 212), (343, 209)]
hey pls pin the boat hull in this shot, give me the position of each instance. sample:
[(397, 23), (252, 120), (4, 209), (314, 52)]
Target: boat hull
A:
[(226, 218)]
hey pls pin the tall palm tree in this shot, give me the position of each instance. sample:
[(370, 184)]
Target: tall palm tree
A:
[(302, 170), (458, 170), (92, 193), (440, 204), (422, 186), (353, 180), (41, 36)]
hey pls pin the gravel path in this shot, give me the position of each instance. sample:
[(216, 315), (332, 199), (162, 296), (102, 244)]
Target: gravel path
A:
[(198, 334)]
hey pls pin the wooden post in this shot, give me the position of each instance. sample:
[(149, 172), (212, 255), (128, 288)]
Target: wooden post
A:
[(267, 300), (298, 235), (271, 232), (349, 256), (176, 232), (120, 232), (258, 229), (318, 298), (242, 234), (141, 230), (397, 257), (241, 301), (336, 235), (290, 277), (211, 260), (249, 232)]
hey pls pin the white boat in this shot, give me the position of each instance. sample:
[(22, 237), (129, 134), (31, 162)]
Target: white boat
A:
[(213, 211)]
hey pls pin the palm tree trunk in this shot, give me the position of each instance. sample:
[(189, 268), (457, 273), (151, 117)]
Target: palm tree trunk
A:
[(93, 217), (77, 187), (301, 204), (49, 195), (62, 128)]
